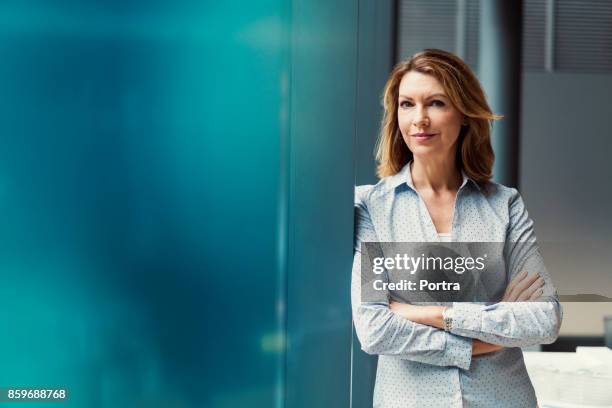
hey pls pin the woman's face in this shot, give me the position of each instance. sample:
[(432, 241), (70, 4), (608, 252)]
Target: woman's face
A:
[(429, 122)]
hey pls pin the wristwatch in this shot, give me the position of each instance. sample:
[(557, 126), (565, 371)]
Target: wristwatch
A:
[(447, 318)]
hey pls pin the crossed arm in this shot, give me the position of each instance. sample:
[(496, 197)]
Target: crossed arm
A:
[(414, 332), (524, 287)]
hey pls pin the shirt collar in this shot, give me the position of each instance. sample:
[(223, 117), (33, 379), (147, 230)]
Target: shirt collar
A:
[(404, 176)]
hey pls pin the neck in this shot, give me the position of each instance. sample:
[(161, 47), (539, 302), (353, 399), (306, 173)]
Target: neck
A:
[(436, 175)]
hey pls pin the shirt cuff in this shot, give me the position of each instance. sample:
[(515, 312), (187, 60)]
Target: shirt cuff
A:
[(458, 351), (467, 318)]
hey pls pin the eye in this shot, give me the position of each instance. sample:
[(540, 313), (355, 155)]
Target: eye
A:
[(405, 104), (437, 102)]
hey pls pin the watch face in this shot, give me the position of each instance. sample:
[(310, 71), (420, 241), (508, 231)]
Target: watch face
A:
[(447, 318)]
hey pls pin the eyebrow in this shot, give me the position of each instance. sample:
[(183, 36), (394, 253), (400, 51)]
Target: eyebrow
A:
[(429, 97)]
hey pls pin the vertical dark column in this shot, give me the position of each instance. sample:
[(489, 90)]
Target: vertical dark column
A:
[(500, 73), (321, 170), (376, 56)]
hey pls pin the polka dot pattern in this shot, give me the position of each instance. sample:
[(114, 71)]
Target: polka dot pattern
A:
[(422, 366)]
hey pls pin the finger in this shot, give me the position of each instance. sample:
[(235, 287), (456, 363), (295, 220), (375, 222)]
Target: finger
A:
[(526, 294), (511, 294), (524, 284), (489, 348), (508, 297), (515, 281), (509, 289), (536, 295)]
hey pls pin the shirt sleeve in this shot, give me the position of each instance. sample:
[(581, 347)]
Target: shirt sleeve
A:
[(380, 331), (515, 324)]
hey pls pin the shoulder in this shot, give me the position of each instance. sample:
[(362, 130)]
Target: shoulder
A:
[(505, 201), (369, 194), (362, 193), (499, 194)]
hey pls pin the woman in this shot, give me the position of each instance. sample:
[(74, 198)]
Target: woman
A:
[(435, 163)]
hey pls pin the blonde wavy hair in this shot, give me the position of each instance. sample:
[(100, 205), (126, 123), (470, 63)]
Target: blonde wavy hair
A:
[(474, 153)]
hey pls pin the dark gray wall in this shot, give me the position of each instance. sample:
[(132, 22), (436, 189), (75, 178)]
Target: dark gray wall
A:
[(565, 178)]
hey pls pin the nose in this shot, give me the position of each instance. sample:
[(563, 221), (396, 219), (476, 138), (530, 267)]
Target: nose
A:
[(420, 118)]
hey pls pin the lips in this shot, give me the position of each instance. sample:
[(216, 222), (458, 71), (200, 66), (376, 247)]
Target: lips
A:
[(423, 136)]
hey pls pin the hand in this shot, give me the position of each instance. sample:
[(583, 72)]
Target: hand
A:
[(480, 347), (524, 287)]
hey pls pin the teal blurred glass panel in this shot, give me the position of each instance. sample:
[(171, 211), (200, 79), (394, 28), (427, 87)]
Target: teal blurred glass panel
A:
[(140, 159), (323, 94)]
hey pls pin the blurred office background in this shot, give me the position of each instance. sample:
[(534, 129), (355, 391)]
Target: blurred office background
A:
[(176, 181)]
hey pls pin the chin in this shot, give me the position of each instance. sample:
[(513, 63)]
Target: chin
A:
[(425, 154), (424, 151)]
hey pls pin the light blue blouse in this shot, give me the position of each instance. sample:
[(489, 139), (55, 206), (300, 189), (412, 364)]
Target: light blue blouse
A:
[(422, 366)]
